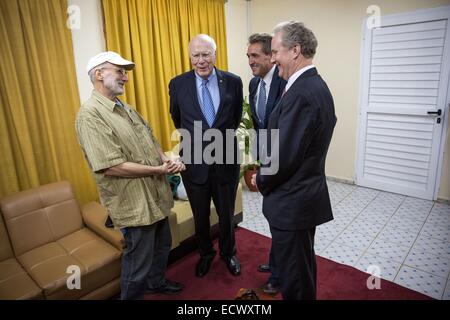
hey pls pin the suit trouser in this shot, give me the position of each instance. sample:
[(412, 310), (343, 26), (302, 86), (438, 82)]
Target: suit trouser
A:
[(274, 278), (223, 196), (144, 260), (296, 262), (261, 148)]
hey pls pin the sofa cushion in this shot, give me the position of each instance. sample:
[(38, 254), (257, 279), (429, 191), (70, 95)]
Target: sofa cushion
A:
[(95, 281), (6, 251), (94, 216), (48, 264), (15, 283), (88, 248), (185, 220), (108, 290), (41, 215), (185, 225), (173, 223)]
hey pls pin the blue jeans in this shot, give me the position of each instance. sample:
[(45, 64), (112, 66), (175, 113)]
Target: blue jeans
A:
[(144, 259)]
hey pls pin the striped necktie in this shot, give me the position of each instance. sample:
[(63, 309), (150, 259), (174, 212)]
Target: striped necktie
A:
[(262, 101), (208, 105)]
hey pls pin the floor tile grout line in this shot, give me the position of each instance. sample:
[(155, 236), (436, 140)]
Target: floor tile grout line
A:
[(422, 250), (350, 222), (426, 294), (384, 225), (428, 273), (445, 287), (409, 251), (327, 246), (365, 251), (353, 190), (402, 263)]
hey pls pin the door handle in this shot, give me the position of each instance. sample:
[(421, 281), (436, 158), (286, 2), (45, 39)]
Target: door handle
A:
[(437, 113)]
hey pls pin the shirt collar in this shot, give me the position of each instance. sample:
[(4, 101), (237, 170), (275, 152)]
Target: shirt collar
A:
[(268, 77), (108, 104), (296, 75), (211, 76)]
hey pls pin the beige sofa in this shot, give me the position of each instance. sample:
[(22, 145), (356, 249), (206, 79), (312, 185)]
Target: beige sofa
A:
[(43, 231)]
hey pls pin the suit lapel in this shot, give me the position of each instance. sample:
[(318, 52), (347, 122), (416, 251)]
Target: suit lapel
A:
[(222, 83), (253, 88), (273, 93), (308, 73), (252, 97)]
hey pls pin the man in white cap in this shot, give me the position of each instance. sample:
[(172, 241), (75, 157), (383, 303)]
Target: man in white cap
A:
[(130, 170)]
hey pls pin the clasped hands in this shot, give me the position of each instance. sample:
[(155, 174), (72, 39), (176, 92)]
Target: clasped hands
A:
[(172, 165)]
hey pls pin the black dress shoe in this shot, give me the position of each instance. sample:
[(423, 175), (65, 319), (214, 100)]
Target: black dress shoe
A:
[(203, 265), (233, 265), (270, 288), (263, 268), (169, 287)]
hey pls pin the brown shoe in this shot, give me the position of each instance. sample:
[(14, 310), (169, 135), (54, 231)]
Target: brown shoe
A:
[(270, 288)]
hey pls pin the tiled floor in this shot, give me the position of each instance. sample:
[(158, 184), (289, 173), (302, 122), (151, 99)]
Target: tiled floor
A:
[(407, 239)]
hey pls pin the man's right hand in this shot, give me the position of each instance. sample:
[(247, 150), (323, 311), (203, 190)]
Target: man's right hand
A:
[(171, 167)]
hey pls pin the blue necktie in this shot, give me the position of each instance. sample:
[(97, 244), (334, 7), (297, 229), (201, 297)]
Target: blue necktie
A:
[(262, 101), (208, 105)]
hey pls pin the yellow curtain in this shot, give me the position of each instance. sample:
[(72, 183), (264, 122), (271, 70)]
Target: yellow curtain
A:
[(39, 99), (155, 35)]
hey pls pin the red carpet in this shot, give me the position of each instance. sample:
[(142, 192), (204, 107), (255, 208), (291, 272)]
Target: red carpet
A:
[(335, 281)]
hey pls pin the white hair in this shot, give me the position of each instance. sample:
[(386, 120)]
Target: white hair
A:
[(206, 38), (91, 72), (294, 33)]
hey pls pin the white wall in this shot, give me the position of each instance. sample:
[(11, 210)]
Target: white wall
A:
[(87, 41), (238, 21), (338, 28)]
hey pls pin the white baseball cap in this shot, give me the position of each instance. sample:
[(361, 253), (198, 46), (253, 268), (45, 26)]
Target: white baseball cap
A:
[(111, 57)]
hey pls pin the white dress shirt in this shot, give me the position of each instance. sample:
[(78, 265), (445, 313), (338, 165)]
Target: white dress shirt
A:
[(295, 76), (268, 80)]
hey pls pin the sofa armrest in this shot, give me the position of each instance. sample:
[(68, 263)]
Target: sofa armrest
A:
[(94, 216)]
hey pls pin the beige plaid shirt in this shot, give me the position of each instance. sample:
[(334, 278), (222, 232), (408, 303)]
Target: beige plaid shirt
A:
[(110, 134)]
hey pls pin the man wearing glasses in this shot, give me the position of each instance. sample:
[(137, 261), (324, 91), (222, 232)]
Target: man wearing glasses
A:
[(130, 170), (207, 98)]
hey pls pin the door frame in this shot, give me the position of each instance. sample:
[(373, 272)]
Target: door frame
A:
[(417, 16)]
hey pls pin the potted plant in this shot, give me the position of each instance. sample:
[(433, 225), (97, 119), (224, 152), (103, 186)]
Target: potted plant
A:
[(246, 137)]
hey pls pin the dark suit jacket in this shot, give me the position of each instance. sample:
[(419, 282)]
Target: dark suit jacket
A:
[(185, 109), (296, 197), (276, 89)]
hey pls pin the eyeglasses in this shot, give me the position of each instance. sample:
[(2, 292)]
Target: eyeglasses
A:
[(120, 71), (204, 55)]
